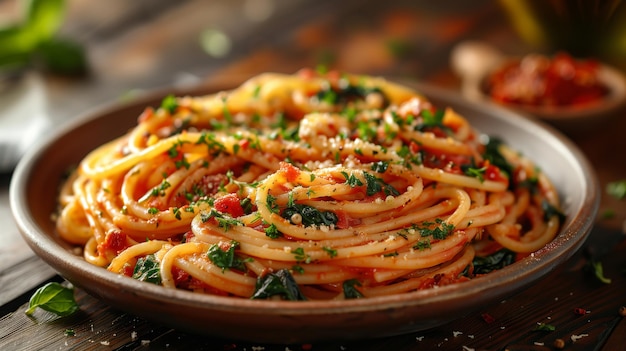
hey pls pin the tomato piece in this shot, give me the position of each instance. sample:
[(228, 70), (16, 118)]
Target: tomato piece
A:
[(291, 172), (229, 204), (115, 241)]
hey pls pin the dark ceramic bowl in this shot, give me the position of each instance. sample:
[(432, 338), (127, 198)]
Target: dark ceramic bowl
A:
[(33, 196)]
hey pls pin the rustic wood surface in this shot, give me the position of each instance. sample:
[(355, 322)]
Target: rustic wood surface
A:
[(134, 46)]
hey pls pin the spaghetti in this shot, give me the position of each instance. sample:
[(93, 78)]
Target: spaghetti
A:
[(306, 186)]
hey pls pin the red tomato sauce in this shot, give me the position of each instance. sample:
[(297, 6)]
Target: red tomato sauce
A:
[(537, 80)]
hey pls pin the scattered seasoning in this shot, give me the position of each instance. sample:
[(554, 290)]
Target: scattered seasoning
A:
[(487, 318), (608, 214), (544, 327), (580, 311), (559, 343)]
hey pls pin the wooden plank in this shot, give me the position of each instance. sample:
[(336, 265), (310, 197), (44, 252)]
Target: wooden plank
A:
[(23, 277)]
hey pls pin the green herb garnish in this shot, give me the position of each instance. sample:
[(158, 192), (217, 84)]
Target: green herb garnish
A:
[(280, 283), (226, 259), (148, 270), (53, 297), (349, 289)]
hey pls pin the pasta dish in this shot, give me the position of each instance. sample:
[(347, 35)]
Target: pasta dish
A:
[(316, 185)]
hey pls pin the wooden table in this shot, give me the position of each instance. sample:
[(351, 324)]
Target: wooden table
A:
[(136, 47)]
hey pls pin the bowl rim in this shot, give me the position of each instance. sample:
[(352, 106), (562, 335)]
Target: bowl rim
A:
[(510, 278)]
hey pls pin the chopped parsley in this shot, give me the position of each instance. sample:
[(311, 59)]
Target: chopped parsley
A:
[(438, 229), (223, 221), (169, 104), (352, 180), (380, 166), (330, 251), (375, 185), (301, 256), (272, 232), (471, 171)]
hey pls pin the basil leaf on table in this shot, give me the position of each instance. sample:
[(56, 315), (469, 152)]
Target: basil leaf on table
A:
[(53, 297)]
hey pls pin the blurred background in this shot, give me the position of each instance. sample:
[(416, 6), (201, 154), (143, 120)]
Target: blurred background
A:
[(60, 59)]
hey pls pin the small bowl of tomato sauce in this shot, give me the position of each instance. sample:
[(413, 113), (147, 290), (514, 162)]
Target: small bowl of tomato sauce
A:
[(570, 93)]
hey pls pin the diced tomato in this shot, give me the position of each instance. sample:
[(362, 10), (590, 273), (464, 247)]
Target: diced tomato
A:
[(493, 173), (128, 270), (115, 240), (344, 221), (147, 113), (291, 172), (229, 204), (244, 144), (414, 147), (181, 277)]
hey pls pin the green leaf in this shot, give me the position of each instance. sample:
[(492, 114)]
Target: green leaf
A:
[(617, 189), (226, 259), (349, 289), (310, 215), (272, 232), (598, 271), (474, 172), (494, 156), (544, 327), (44, 18), (495, 261), (550, 211), (169, 104), (148, 270), (280, 283), (53, 297), (62, 57), (15, 46)]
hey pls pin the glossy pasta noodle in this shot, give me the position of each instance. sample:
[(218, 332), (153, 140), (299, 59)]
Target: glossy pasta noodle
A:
[(306, 186)]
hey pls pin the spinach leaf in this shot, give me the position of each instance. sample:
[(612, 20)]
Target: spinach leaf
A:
[(148, 270), (495, 261), (349, 289), (550, 211), (226, 259), (495, 157), (311, 215), (279, 283)]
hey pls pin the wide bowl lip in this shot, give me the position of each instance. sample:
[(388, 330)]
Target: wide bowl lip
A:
[(572, 236)]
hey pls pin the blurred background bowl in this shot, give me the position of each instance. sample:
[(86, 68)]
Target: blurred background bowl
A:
[(475, 62)]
